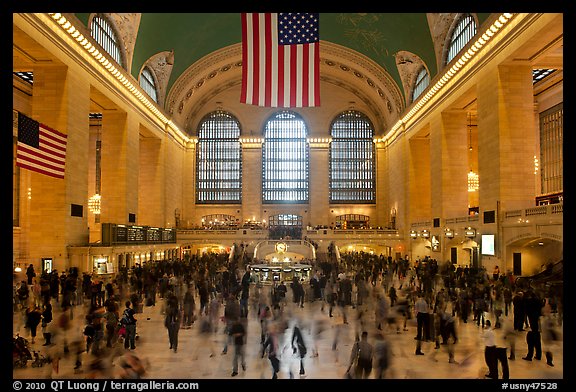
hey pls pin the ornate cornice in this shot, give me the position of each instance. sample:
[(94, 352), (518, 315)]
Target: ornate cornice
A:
[(187, 95)]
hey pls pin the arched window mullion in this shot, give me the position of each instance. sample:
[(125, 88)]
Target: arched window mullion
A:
[(219, 160), (148, 84), (285, 155), (462, 34), (352, 177), (103, 33)]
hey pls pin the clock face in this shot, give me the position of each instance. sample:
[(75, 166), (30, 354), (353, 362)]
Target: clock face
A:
[(281, 247)]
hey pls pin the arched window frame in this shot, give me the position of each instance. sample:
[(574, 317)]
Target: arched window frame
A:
[(464, 31), (219, 160), (352, 160), (104, 33), (285, 159), (148, 83), (421, 83)]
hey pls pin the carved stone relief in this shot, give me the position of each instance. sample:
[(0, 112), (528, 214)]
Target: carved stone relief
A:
[(126, 25), (161, 64), (408, 64)]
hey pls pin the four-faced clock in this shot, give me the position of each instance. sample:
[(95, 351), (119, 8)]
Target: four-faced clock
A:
[(281, 247)]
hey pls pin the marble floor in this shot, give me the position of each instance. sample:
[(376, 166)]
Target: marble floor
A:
[(329, 337)]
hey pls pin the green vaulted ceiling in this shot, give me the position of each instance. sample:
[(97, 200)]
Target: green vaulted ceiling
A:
[(193, 35)]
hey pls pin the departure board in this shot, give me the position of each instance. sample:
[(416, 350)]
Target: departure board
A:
[(126, 234)]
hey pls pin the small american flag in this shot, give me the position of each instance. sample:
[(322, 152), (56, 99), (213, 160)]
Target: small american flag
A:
[(40, 148), (280, 60)]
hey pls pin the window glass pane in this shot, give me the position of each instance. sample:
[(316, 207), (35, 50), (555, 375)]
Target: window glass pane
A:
[(147, 83), (104, 35), (218, 160), (352, 170), (551, 149), (285, 159), (464, 31), (422, 81)]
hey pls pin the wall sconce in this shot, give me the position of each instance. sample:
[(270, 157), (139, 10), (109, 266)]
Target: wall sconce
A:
[(413, 234), (425, 233), (94, 204), (470, 232), (448, 233)]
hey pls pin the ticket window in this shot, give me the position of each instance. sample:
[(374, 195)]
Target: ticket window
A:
[(101, 265)]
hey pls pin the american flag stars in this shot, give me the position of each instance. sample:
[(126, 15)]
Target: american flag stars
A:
[(297, 28)]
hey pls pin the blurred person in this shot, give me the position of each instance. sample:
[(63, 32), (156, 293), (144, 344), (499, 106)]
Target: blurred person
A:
[(231, 313), (361, 357), (33, 318), (382, 355), (111, 320), (421, 309), (188, 308), (299, 346), (129, 322), (130, 366), (46, 320), (550, 335), (30, 273), (272, 348), (172, 320), (238, 333)]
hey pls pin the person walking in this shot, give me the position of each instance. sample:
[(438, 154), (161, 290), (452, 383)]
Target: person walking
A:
[(381, 355), (271, 347), (238, 333), (46, 320), (299, 346), (490, 356), (129, 322), (30, 274), (422, 309), (188, 308), (33, 318), (361, 356), (172, 321)]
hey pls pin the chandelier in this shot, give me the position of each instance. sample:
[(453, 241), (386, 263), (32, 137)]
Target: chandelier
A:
[(473, 181), (94, 203)]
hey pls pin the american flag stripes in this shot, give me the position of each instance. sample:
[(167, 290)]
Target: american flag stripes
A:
[(40, 148), (280, 59)]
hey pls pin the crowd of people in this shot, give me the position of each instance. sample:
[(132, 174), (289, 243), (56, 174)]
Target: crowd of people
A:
[(379, 295)]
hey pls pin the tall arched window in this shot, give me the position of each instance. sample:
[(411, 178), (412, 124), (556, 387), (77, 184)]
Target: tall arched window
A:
[(285, 159), (103, 33), (462, 34), (148, 84), (218, 160), (422, 81), (352, 169)]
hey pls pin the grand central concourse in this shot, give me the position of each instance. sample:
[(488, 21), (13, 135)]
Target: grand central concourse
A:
[(155, 150)]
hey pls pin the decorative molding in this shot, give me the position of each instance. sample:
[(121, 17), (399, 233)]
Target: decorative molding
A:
[(126, 24), (161, 65), (440, 24), (409, 64), (183, 101)]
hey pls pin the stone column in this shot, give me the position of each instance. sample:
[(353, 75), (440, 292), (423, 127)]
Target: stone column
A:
[(506, 138), (449, 165), (61, 101), (419, 181), (120, 167), (319, 208), (151, 182)]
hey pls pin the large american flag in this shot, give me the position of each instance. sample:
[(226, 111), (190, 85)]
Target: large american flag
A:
[(280, 60), (40, 148)]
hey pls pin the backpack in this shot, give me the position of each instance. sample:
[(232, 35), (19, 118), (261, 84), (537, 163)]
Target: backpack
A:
[(127, 318)]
